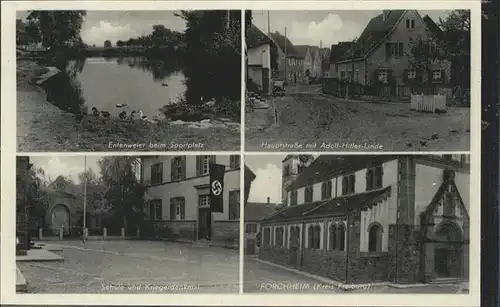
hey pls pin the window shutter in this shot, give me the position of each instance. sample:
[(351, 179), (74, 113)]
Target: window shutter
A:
[(183, 167), (443, 76), (172, 170), (183, 208), (401, 49), (172, 208)]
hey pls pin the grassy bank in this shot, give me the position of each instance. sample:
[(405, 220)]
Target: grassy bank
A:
[(41, 126)]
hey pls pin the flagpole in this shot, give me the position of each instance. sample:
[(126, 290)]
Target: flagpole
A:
[(85, 199), (286, 60)]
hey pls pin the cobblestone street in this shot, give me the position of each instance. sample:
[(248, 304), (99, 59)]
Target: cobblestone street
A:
[(135, 267), (310, 118)]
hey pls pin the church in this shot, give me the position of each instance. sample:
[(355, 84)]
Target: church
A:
[(373, 218)]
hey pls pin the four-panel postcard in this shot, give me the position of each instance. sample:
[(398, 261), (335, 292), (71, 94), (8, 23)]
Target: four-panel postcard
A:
[(233, 153)]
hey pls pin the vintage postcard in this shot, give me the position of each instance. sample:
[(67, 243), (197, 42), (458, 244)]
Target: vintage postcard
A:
[(364, 80), (128, 80)]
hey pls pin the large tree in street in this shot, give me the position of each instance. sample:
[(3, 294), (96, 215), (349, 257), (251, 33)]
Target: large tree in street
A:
[(124, 193), (56, 28)]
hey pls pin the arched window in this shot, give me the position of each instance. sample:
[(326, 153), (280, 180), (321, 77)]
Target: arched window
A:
[(333, 237), (375, 238), (341, 240), (317, 237), (278, 237), (267, 236), (310, 235)]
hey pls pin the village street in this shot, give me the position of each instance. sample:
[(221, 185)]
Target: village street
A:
[(310, 118), (260, 277), (135, 267)]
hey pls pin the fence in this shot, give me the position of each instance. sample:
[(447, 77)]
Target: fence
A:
[(428, 103), (344, 89), (49, 234)]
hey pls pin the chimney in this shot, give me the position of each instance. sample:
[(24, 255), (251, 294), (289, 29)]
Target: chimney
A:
[(268, 200), (385, 14)]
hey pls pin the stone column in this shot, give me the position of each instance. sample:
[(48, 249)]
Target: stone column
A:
[(40, 234)]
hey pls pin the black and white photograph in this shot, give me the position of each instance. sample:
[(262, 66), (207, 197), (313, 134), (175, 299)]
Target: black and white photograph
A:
[(357, 223), (128, 80), (128, 224), (359, 80)]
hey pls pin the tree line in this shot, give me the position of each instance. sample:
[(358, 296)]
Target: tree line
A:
[(115, 193)]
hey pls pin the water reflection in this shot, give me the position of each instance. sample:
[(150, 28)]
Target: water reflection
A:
[(140, 83)]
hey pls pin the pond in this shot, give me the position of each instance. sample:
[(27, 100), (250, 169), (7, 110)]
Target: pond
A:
[(138, 83)]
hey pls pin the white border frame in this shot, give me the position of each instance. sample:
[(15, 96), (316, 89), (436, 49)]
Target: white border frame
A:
[(8, 144)]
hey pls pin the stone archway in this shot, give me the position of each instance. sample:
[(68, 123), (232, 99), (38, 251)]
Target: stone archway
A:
[(448, 251), (60, 217)]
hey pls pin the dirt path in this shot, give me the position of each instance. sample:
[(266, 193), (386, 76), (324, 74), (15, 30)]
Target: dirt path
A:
[(313, 119)]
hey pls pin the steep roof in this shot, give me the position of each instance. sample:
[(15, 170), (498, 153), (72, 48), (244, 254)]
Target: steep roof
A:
[(339, 50), (339, 206), (255, 37), (282, 41), (257, 211), (374, 33), (433, 27), (302, 49), (325, 167)]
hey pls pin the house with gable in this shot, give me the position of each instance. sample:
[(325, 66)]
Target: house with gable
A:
[(312, 60), (370, 218), (381, 54), (290, 61), (259, 58)]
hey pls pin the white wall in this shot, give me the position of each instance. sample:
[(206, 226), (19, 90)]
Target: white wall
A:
[(186, 188), (389, 178), (260, 56)]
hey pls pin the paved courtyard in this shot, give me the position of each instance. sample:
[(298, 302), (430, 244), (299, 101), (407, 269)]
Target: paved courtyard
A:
[(310, 118), (260, 277), (135, 267)]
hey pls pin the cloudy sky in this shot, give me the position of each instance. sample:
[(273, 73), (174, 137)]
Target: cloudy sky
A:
[(311, 27), (267, 169), (68, 166), (122, 25)]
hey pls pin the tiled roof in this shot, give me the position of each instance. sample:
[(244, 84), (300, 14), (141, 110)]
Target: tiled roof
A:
[(257, 211), (333, 207), (338, 51), (325, 167), (373, 34), (280, 41), (433, 27), (255, 37), (302, 49)]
